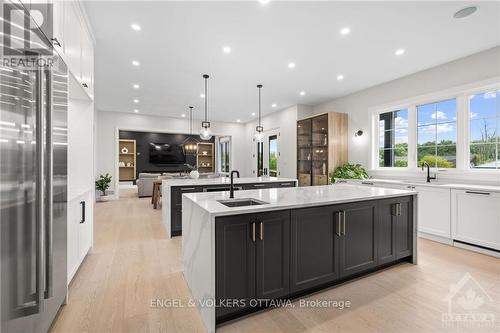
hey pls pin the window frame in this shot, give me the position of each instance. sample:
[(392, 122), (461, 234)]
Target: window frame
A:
[(225, 140), (461, 94)]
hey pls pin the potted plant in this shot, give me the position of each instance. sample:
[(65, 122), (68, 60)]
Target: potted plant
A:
[(102, 184), (348, 171)]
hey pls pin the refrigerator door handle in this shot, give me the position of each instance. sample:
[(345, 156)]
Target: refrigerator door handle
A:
[(49, 142), (40, 214)]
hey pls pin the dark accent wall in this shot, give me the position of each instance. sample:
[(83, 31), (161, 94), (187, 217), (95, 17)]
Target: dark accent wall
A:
[(144, 138)]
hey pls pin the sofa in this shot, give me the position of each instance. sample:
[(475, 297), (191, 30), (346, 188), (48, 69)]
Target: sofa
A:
[(145, 183)]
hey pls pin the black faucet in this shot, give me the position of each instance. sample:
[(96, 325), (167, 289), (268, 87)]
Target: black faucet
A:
[(231, 189), (425, 164)]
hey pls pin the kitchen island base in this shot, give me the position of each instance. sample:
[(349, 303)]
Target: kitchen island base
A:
[(238, 258)]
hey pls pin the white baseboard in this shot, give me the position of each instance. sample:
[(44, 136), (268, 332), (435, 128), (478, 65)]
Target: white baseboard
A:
[(477, 249), (435, 238)]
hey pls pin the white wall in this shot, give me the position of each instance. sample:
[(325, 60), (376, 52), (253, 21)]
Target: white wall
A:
[(474, 68), (108, 124), (286, 121)]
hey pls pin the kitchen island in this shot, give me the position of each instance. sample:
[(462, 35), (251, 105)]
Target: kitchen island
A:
[(174, 188), (240, 254)]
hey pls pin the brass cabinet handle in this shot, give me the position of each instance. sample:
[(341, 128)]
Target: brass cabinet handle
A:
[(253, 231), (343, 222), (339, 214), (261, 233)]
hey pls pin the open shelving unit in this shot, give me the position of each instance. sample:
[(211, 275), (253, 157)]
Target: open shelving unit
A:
[(127, 172), (321, 147), (205, 157)]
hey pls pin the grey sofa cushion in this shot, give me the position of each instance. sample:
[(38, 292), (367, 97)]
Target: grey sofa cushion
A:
[(145, 183)]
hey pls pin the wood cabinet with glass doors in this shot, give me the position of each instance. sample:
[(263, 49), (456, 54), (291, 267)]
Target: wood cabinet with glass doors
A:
[(321, 147)]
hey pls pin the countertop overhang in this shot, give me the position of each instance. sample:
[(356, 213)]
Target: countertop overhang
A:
[(295, 197), (222, 181)]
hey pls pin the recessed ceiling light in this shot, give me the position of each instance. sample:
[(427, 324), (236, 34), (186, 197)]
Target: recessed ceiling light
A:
[(136, 86), (291, 65), (274, 105), (399, 52), (238, 120), (264, 2), (136, 101), (226, 49), (345, 31), (340, 77), (464, 12), (202, 95), (183, 115), (136, 111), (135, 63), (135, 27), (302, 93), (253, 113)]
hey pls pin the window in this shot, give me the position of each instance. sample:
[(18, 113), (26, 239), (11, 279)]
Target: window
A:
[(393, 141), (224, 150), (484, 142), (273, 155), (437, 134)]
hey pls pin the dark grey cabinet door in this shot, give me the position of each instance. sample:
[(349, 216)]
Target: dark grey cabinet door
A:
[(273, 254), (404, 228), (359, 238), (235, 261), (386, 231), (314, 247)]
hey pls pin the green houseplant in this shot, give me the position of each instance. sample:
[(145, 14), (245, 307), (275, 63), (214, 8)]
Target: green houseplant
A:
[(348, 171), (102, 184)]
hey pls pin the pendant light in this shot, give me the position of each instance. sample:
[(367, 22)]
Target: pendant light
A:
[(259, 135), (205, 133), (190, 143)]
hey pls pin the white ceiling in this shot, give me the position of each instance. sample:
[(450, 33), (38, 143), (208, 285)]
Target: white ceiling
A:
[(180, 41)]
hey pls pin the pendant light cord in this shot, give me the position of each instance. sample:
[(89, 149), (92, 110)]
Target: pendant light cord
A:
[(206, 95), (260, 112), (191, 120)]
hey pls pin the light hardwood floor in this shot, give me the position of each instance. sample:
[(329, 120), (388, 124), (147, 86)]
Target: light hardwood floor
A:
[(133, 262)]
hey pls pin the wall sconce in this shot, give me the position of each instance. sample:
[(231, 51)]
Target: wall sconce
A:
[(358, 133)]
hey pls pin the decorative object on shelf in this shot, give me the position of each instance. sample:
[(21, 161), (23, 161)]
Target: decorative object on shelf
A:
[(121, 164), (259, 135), (129, 164), (358, 133), (205, 132), (102, 184), (204, 153), (124, 150), (349, 171), (194, 174)]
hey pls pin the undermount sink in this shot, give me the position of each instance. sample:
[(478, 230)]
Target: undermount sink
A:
[(242, 202)]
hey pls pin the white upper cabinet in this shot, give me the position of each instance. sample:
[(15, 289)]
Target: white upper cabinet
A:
[(72, 42), (87, 69)]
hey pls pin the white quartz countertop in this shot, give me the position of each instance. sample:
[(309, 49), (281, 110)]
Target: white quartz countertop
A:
[(222, 181), (292, 197), (494, 186)]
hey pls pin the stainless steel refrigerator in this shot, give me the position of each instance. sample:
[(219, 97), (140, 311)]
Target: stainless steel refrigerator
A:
[(33, 179)]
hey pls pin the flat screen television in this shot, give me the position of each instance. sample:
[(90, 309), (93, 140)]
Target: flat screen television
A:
[(166, 153)]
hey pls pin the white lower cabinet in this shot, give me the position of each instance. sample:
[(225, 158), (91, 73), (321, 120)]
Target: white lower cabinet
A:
[(476, 217), (80, 225), (434, 211)]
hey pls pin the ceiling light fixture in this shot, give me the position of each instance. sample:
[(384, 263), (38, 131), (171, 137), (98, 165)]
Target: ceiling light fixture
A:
[(253, 113), (136, 101), (135, 63), (259, 129), (183, 115), (464, 12), (135, 27), (345, 31), (291, 65), (302, 93), (205, 133), (202, 95), (226, 49), (399, 52), (340, 77), (264, 2), (274, 105), (238, 120), (136, 111), (136, 86)]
